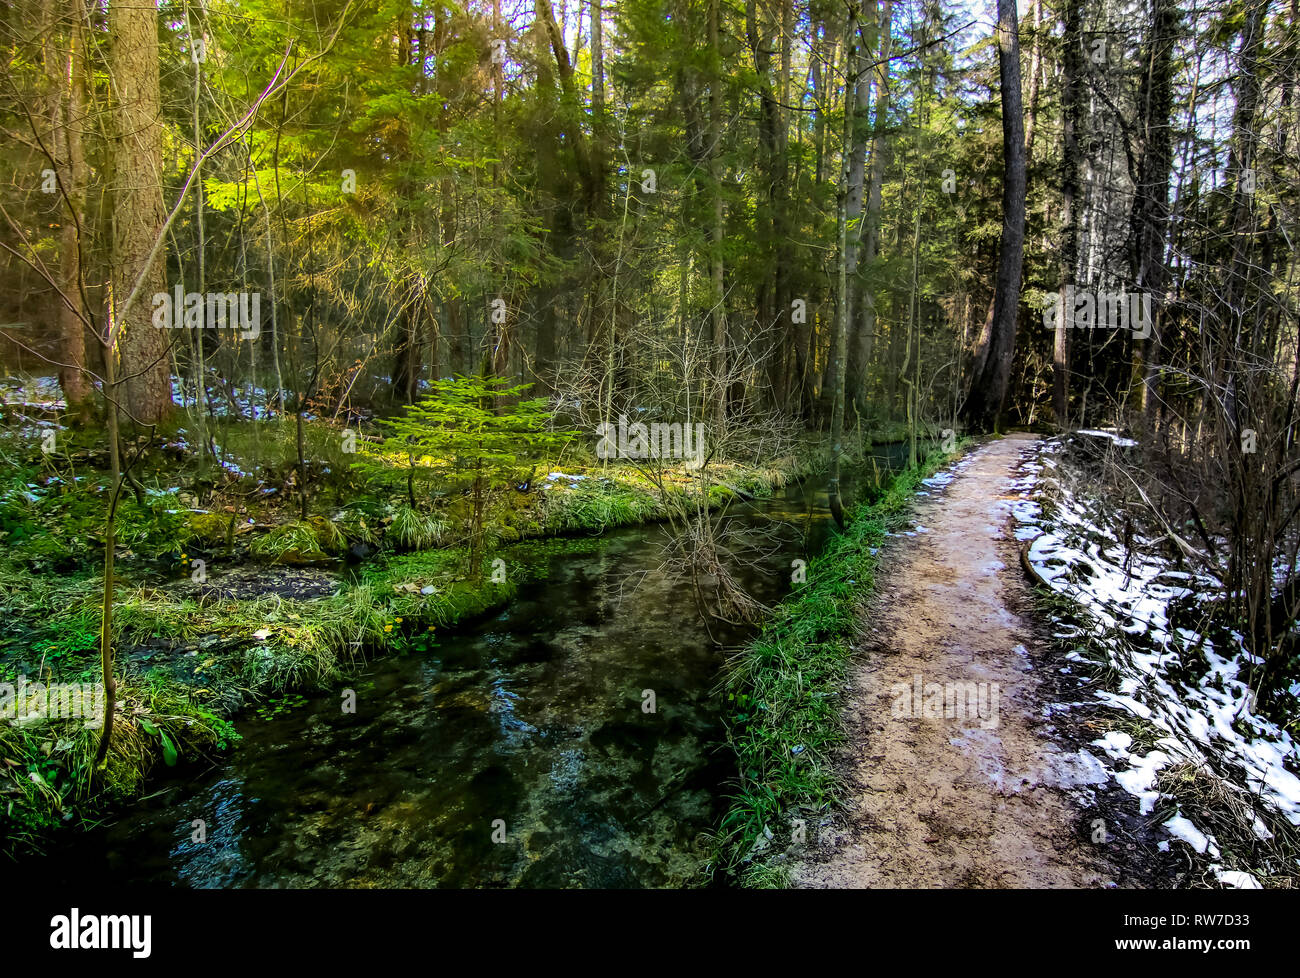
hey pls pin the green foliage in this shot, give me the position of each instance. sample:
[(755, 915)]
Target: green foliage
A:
[(330, 537), (596, 505), (170, 752), (468, 435), (277, 705), (356, 526), (54, 527), (47, 775)]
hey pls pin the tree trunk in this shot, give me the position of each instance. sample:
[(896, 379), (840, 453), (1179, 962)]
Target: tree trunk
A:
[(1072, 121), (138, 210), (715, 257), (772, 306), (1150, 216), (1035, 71), (110, 550), (65, 75), (409, 357), (855, 378), (864, 329), (597, 66), (988, 390), (839, 339)]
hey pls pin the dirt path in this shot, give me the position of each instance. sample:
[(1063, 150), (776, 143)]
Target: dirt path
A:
[(978, 799)]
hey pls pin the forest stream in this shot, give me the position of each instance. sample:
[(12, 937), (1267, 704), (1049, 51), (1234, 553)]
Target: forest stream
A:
[(515, 753)]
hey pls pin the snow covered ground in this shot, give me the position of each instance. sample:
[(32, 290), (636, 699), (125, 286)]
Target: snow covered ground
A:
[(1191, 688)]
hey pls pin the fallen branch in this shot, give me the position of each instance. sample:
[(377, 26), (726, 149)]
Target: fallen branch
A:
[(1032, 571)]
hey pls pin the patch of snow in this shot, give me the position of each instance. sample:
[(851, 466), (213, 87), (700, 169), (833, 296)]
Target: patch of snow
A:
[(1116, 743), (1181, 827), (1206, 715), (1096, 433), (1236, 879)]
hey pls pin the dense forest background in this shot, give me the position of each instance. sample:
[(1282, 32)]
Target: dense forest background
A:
[(638, 206), (763, 216)]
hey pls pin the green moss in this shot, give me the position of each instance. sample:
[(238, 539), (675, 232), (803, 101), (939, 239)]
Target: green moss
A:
[(720, 494), (209, 529)]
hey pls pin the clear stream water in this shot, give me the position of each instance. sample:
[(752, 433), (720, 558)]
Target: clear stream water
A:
[(527, 725)]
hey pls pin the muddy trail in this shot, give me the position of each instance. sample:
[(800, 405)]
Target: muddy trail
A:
[(956, 777)]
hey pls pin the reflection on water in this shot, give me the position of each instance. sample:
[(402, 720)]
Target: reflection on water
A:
[(517, 753)]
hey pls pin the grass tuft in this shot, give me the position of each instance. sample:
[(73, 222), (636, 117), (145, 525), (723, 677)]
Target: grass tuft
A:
[(414, 530)]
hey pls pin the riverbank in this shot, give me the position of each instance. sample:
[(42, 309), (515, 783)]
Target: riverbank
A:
[(275, 611), (785, 692), (535, 715)]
